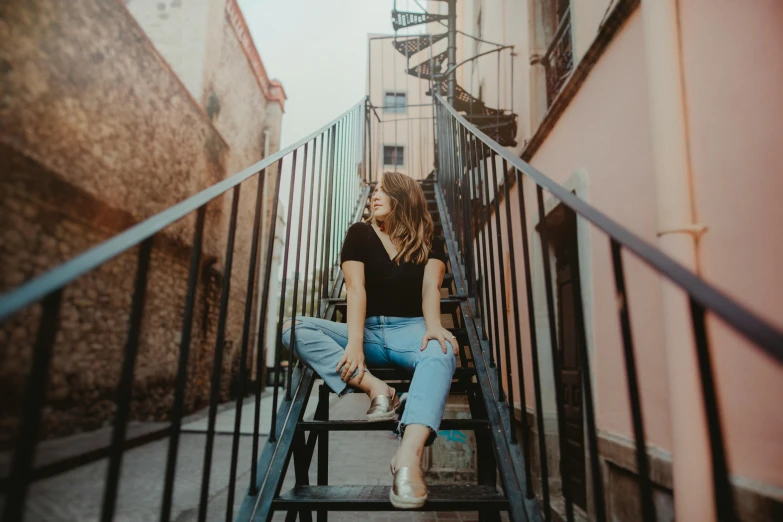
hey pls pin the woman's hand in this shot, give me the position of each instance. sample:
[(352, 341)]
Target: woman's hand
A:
[(443, 336), (352, 358)]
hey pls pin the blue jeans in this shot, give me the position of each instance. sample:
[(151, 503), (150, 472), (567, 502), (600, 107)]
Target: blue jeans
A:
[(388, 342)]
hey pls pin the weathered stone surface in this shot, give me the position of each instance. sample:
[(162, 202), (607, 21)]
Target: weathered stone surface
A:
[(96, 134)]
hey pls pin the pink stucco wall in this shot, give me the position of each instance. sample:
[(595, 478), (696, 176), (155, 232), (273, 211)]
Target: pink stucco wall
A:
[(611, 142), (735, 118), (733, 83)]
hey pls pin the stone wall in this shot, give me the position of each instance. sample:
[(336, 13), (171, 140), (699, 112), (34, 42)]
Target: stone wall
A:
[(237, 108), (45, 220), (243, 104), (86, 94), (96, 134)]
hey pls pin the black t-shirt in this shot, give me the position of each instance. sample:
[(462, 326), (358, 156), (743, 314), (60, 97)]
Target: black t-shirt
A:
[(392, 290)]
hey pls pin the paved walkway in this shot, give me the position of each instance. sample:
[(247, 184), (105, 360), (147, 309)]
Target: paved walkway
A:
[(354, 458)]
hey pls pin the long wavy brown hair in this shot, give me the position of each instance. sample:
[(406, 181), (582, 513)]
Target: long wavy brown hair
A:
[(409, 223)]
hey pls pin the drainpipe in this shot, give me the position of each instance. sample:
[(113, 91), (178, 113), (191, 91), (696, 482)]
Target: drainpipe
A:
[(678, 236)]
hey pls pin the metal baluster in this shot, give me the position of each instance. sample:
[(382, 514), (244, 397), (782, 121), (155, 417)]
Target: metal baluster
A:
[(472, 221), (296, 273), (485, 286), (587, 394), (330, 199), (339, 200), (467, 212), (35, 394), (260, 353), (531, 317), (503, 303), (125, 387), (281, 310), (724, 494), (493, 286), (642, 463), (550, 304), (475, 235), (347, 188), (318, 248), (309, 231), (250, 293), (217, 364), (452, 179), (367, 145), (182, 367), (455, 190), (349, 185), (517, 332)]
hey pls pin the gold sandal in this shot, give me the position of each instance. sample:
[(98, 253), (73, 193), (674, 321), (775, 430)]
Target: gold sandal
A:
[(383, 408), (408, 491)]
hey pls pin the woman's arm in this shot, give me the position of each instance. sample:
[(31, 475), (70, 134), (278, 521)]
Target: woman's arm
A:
[(430, 305), (353, 357)]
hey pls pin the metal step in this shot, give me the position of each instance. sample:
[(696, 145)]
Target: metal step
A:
[(447, 305), (376, 498), (363, 425), (394, 374)]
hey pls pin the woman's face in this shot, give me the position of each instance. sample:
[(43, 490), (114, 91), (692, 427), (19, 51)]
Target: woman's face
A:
[(381, 204)]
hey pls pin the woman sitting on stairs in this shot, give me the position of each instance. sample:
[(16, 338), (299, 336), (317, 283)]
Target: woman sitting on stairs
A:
[(393, 273)]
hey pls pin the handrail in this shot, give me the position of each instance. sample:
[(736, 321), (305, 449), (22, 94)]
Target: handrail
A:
[(463, 62), (56, 278), (763, 334), (468, 176)]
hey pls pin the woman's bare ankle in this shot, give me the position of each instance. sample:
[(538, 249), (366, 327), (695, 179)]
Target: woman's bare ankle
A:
[(379, 388), (406, 460), (373, 386)]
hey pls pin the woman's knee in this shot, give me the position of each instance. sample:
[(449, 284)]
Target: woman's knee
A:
[(434, 352)]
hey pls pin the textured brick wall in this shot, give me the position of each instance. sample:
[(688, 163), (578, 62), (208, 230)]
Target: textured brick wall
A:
[(44, 221), (84, 93), (98, 133), (241, 113)]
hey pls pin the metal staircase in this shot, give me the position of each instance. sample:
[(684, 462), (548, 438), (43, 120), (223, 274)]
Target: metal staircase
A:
[(470, 379), (465, 199)]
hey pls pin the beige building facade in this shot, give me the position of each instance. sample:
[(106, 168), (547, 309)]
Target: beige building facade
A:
[(401, 124)]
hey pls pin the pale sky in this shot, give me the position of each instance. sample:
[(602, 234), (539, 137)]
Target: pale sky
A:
[(318, 50)]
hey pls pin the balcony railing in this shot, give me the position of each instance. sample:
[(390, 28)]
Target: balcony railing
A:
[(320, 176), (559, 58)]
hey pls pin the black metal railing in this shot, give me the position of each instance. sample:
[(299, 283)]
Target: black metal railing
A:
[(472, 193), (321, 177), (558, 60)]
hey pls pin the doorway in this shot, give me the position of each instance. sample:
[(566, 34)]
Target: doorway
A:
[(561, 226)]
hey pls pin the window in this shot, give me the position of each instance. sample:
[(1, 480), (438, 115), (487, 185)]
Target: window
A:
[(393, 155), (395, 102)]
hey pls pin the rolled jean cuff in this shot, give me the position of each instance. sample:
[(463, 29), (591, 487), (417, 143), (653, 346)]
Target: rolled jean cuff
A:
[(430, 439), (345, 391)]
